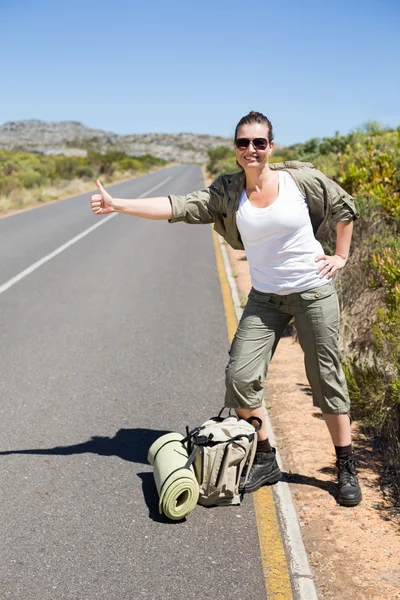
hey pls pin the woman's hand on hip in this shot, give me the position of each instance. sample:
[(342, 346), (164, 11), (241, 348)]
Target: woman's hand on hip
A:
[(101, 203), (330, 264)]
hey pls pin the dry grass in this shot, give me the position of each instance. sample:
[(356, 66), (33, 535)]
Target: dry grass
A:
[(28, 198), (23, 198)]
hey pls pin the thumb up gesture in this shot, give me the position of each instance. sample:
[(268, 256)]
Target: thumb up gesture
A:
[(101, 202)]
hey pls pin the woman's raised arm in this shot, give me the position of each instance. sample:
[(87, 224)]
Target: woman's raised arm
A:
[(148, 208)]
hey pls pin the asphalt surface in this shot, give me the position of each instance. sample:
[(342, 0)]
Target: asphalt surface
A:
[(114, 342)]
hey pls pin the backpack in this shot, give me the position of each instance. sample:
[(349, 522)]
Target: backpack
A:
[(221, 450)]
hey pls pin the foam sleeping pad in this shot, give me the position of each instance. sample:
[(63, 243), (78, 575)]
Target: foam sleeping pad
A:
[(177, 485)]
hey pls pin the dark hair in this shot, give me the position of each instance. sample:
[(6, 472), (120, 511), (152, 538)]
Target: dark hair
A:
[(256, 117)]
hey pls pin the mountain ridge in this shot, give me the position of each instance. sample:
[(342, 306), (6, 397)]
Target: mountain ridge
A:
[(74, 138)]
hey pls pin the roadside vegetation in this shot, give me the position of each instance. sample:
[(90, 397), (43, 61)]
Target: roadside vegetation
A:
[(366, 163), (27, 178)]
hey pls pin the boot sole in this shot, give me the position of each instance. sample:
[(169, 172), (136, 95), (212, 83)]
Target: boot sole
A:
[(271, 478), (353, 502)]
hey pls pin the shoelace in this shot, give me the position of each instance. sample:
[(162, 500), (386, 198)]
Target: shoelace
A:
[(260, 456), (347, 471)]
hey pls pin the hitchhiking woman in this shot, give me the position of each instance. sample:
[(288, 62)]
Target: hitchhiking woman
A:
[(273, 212)]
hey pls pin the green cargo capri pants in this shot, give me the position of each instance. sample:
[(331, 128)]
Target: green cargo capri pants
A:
[(263, 322)]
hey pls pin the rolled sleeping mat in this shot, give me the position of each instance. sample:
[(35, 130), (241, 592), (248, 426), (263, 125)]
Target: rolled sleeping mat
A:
[(176, 483)]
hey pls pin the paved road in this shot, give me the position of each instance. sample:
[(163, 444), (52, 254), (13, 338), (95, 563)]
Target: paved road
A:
[(115, 341)]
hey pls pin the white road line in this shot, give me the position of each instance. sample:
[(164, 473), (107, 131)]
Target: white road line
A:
[(6, 286), (299, 567)]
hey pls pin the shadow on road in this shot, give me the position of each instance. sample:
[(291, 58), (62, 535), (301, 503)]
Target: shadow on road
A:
[(150, 495), (128, 444), (133, 445)]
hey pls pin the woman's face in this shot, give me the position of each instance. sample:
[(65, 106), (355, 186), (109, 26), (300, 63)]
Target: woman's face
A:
[(253, 157)]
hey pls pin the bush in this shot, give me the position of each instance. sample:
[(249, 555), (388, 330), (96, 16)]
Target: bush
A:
[(84, 171), (8, 183), (130, 164), (66, 167), (221, 160), (29, 170), (30, 178), (372, 168)]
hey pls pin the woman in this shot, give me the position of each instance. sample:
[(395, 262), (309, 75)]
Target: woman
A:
[(273, 211)]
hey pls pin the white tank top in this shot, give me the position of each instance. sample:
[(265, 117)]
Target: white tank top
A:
[(279, 241)]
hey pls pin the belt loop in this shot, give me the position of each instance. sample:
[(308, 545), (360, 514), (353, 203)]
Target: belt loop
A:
[(276, 299)]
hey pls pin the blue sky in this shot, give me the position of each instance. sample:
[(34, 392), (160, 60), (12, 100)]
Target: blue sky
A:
[(312, 67)]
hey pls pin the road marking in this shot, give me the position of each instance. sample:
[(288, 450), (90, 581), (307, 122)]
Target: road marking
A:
[(275, 567), (8, 284)]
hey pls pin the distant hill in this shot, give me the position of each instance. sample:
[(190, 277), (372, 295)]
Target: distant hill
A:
[(74, 138)]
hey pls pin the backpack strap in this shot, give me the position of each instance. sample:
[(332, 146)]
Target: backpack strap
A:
[(220, 418), (187, 465), (189, 436), (259, 422), (225, 456), (250, 459), (161, 447), (192, 457)]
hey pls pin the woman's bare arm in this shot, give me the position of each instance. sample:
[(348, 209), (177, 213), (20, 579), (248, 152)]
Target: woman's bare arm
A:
[(149, 208), (330, 264), (344, 232)]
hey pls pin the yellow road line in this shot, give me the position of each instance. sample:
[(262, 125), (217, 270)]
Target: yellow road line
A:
[(276, 572), (275, 567), (230, 314)]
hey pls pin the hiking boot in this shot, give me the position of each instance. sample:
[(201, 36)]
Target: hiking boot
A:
[(264, 470), (349, 488)]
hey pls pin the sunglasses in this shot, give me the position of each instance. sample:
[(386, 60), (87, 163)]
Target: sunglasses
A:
[(258, 143)]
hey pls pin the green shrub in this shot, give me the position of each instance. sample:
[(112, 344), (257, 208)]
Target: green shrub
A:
[(221, 160), (371, 168), (148, 161), (29, 170), (367, 385), (84, 171), (66, 166), (130, 164), (8, 183), (30, 178)]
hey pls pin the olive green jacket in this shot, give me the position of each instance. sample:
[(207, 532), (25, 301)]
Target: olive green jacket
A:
[(219, 202)]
